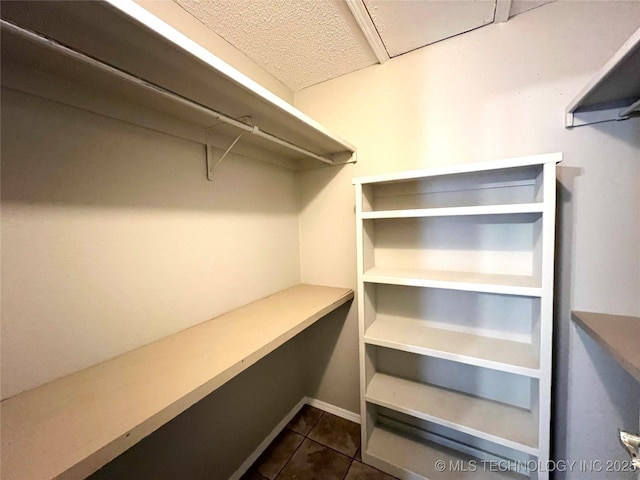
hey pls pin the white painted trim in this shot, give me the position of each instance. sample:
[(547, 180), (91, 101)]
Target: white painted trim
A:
[(267, 441), (360, 13), (337, 411), (462, 168), (503, 8)]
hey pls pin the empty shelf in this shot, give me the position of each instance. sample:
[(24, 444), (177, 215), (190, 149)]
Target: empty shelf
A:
[(408, 457), (468, 281), (78, 423), (416, 336), (131, 42), (456, 211), (500, 423), (613, 93), (618, 335)]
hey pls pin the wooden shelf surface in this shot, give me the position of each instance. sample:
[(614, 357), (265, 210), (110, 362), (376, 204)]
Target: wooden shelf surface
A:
[(619, 335), (456, 211), (74, 425), (613, 93), (500, 423), (408, 456), (415, 336), (466, 281), (126, 36)]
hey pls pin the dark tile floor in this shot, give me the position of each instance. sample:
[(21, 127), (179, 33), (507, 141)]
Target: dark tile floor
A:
[(315, 445)]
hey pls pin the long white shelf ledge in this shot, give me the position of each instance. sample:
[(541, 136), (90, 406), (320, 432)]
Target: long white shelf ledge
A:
[(416, 336), (133, 56), (407, 456), (497, 422), (73, 426), (466, 281), (456, 211), (505, 163), (619, 335), (613, 93)]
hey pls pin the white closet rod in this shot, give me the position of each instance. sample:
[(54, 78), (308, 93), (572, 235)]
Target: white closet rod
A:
[(70, 52)]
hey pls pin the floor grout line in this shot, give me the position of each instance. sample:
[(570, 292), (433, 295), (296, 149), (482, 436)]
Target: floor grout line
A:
[(298, 447), (351, 458)]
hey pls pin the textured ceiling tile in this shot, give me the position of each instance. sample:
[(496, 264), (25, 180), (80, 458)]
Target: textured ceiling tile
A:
[(404, 25), (301, 42)]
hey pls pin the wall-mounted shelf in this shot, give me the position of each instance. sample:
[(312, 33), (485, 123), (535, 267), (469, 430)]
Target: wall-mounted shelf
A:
[(75, 425), (120, 50), (613, 93), (619, 335)]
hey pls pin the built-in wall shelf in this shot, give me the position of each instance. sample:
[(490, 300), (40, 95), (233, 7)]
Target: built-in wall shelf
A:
[(619, 335), (416, 336), (455, 211), (497, 422), (467, 281), (73, 426), (398, 451), (118, 50), (613, 93)]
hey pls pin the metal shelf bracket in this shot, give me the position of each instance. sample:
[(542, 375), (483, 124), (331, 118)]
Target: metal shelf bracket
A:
[(211, 154)]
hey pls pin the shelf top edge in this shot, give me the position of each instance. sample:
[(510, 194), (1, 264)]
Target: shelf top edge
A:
[(616, 334), (628, 49), (501, 164), (131, 9), (474, 210)]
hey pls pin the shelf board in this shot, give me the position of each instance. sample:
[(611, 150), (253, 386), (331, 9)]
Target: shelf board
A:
[(466, 281), (416, 336), (612, 93), (412, 458), (127, 37), (618, 335), (77, 424), (500, 423), (456, 211), (456, 169)]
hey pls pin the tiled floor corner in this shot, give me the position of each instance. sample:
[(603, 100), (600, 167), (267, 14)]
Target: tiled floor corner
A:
[(315, 445)]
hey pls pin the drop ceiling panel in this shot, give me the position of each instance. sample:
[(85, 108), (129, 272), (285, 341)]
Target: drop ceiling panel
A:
[(405, 25), (300, 43)]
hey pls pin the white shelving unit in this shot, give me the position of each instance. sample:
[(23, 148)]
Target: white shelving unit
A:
[(613, 93), (455, 301), (81, 52)]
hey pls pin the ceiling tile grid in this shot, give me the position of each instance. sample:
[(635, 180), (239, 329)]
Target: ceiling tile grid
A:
[(405, 25), (300, 42)]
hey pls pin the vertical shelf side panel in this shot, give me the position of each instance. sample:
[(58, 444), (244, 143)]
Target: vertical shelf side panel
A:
[(546, 311), (366, 309)]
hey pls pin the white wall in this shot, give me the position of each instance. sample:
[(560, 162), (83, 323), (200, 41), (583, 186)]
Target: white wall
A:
[(112, 237), (496, 92)]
